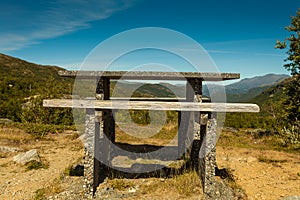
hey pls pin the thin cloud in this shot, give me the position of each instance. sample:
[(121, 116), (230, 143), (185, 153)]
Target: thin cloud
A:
[(222, 52), (32, 23), (239, 42)]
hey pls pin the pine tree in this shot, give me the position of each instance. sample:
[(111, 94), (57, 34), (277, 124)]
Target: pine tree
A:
[(292, 90)]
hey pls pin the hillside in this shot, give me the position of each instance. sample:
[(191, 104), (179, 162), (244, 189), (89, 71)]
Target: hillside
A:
[(271, 109), (21, 81), (274, 93), (136, 89), (11, 67)]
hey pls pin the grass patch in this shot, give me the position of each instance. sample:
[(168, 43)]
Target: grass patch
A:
[(14, 135), (35, 165), (38, 131), (185, 185), (268, 160), (24, 132), (255, 139), (39, 194), (73, 136), (121, 184)]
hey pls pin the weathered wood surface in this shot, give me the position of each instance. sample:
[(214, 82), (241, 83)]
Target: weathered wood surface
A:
[(148, 75), (152, 105)]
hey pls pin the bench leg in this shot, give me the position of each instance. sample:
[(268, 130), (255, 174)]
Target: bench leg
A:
[(207, 157), (89, 160)]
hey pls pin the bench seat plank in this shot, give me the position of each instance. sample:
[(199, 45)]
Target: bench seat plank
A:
[(152, 105)]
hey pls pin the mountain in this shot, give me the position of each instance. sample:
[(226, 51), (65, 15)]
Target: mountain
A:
[(247, 84), (247, 88)]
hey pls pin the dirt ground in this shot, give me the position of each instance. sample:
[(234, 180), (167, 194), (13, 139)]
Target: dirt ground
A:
[(57, 151), (262, 174)]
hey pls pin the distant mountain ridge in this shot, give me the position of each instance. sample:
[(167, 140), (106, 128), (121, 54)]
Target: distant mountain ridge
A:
[(258, 81), (247, 88)]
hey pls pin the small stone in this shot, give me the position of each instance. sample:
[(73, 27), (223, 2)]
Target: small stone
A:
[(132, 190), (251, 159)]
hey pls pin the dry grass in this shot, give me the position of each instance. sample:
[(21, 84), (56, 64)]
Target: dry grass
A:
[(269, 160), (121, 184), (180, 186), (14, 135), (52, 189), (184, 185)]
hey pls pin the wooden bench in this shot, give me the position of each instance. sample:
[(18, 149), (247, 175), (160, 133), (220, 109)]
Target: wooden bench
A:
[(194, 116), (151, 105)]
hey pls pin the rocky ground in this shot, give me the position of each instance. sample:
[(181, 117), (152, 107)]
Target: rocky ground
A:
[(257, 173)]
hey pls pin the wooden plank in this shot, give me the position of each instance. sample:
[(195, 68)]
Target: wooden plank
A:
[(150, 75), (152, 105)]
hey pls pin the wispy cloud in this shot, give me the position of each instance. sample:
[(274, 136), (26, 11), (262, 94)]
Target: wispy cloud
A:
[(222, 51), (241, 42), (30, 23)]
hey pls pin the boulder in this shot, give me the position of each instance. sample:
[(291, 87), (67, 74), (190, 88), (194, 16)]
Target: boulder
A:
[(26, 157)]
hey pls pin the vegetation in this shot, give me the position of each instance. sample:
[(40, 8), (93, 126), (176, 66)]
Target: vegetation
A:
[(268, 160), (24, 85), (35, 165), (291, 105)]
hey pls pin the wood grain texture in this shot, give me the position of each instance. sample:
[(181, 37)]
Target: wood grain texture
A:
[(152, 105), (150, 75)]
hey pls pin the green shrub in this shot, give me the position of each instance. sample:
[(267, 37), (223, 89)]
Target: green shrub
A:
[(35, 165)]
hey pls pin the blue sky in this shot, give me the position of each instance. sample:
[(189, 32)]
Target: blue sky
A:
[(239, 35)]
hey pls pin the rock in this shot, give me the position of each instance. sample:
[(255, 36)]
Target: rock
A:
[(23, 158), (291, 198), (5, 121), (251, 159), (9, 149)]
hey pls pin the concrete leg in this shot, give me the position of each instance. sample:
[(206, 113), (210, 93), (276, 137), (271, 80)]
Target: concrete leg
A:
[(207, 157), (89, 154)]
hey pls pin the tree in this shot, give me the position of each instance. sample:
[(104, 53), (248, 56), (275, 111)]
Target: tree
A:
[(293, 59), (292, 89)]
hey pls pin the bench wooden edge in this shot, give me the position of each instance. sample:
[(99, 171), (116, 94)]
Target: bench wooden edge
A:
[(151, 105)]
